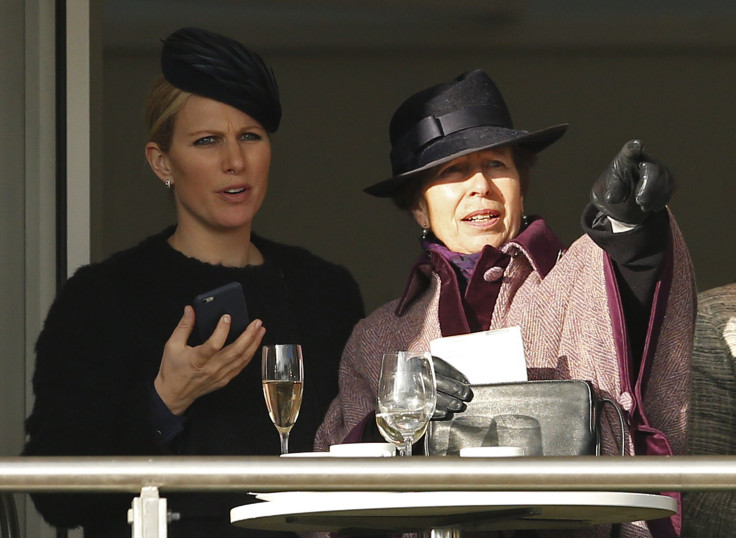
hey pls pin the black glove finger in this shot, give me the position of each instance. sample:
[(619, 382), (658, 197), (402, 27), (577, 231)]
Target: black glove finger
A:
[(447, 407), (631, 152), (624, 173), (453, 389), (617, 187), (451, 381), (442, 414), (655, 187), (449, 403)]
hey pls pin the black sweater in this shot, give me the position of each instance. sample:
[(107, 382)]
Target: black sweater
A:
[(100, 350)]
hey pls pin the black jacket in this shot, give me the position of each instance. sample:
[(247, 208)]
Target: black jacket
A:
[(101, 346)]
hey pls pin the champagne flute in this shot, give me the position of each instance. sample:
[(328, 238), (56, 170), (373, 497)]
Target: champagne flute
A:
[(407, 395), (282, 375)]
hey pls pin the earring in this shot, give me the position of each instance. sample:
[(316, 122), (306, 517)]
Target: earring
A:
[(169, 182), (425, 233), (524, 220)]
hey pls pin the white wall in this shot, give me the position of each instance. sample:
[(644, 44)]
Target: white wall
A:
[(31, 27), (12, 280), (26, 212)]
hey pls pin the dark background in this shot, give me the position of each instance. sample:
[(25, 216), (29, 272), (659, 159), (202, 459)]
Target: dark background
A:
[(663, 72)]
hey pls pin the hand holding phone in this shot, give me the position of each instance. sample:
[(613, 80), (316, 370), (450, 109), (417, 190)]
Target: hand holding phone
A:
[(210, 306)]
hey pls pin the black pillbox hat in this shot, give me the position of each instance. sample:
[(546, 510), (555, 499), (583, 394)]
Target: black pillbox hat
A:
[(214, 66)]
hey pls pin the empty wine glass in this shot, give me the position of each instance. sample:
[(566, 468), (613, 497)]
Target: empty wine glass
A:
[(407, 395), (282, 375)]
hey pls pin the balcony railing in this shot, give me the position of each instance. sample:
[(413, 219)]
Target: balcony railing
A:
[(150, 475)]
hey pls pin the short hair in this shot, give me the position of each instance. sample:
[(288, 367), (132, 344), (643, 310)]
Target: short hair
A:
[(407, 198), (163, 103)]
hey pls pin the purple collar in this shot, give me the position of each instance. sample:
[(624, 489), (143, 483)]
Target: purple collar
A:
[(537, 242), (465, 263)]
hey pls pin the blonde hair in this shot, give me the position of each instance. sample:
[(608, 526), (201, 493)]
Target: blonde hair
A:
[(163, 103)]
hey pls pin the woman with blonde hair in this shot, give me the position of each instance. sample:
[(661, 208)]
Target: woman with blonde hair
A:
[(120, 368)]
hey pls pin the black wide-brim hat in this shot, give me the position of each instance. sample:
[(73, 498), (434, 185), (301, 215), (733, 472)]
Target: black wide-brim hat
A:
[(449, 120)]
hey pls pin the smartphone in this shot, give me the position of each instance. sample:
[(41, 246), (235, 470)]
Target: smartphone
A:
[(210, 306)]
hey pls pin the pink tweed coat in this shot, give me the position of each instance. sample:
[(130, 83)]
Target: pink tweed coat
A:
[(572, 327)]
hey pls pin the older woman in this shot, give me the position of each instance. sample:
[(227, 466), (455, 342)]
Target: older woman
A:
[(616, 308), (120, 369)]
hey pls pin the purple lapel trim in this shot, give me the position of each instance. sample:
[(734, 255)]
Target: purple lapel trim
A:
[(418, 281), (668, 527), (656, 318), (356, 434), (647, 440), (451, 310), (482, 293), (620, 337)]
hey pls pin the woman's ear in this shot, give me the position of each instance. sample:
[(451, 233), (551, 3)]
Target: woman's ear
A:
[(158, 161), (421, 214)]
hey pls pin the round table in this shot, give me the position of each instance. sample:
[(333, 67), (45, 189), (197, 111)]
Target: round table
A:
[(358, 511)]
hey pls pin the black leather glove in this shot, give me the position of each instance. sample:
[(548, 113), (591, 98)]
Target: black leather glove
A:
[(453, 390), (634, 185)]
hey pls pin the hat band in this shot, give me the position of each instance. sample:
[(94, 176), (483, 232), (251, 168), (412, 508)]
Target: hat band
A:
[(434, 127)]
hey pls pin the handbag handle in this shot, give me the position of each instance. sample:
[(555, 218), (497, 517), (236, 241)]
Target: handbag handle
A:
[(622, 424)]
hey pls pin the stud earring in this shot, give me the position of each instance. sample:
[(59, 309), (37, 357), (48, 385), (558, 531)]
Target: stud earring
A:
[(169, 183)]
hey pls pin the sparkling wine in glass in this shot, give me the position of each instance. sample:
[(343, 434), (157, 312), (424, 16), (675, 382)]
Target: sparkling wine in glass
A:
[(407, 395), (282, 375)]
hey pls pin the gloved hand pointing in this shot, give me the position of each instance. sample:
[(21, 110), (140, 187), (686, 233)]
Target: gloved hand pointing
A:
[(453, 390), (633, 185)]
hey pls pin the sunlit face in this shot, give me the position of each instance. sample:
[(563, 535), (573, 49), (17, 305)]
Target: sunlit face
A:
[(473, 201), (218, 161)]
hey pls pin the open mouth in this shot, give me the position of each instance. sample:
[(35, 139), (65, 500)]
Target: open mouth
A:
[(482, 216), (234, 191)]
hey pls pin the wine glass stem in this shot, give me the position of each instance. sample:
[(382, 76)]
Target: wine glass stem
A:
[(406, 450), (284, 438)]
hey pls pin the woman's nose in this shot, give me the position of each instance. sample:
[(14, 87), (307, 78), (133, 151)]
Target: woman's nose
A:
[(233, 160), (479, 184)]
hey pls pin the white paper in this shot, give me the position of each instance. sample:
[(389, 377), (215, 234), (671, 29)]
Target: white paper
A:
[(485, 357)]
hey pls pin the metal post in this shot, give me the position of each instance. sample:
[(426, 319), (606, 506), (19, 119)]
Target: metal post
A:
[(148, 514)]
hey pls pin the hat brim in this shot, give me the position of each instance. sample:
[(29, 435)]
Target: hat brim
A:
[(468, 141)]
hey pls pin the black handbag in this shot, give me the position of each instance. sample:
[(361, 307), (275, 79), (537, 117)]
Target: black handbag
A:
[(545, 418)]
